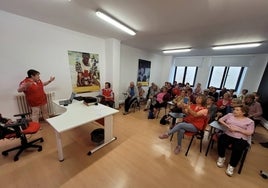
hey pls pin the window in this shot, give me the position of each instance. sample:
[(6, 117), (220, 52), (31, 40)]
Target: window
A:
[(185, 74), (228, 77)]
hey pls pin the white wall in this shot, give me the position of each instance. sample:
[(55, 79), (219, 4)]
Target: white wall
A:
[(26, 44), (112, 67), (255, 72), (160, 68)]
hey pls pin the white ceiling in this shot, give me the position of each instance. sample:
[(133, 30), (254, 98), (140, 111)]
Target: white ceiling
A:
[(160, 24)]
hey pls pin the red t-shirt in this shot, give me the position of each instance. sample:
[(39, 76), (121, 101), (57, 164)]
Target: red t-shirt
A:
[(35, 94), (199, 121), (222, 102), (176, 91), (108, 94)]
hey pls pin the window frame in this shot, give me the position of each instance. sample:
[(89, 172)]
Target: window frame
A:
[(225, 75), (185, 74)]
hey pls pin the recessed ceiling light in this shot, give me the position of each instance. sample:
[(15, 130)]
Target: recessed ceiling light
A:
[(177, 50), (114, 22), (236, 46)]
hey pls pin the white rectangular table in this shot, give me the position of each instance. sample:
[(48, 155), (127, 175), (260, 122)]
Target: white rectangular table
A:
[(77, 114)]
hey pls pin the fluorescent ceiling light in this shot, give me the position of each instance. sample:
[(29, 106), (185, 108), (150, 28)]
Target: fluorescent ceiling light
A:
[(115, 22), (235, 46), (177, 50)]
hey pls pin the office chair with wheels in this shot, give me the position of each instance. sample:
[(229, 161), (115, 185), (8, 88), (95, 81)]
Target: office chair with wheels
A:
[(20, 129)]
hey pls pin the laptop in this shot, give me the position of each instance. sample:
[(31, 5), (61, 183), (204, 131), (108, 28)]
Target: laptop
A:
[(67, 101)]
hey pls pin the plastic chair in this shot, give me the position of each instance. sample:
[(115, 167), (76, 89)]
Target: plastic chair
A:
[(175, 116), (244, 154), (164, 106), (20, 129), (199, 135)]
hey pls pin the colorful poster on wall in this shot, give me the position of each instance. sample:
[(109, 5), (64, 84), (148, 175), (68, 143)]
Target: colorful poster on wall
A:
[(144, 69), (84, 69)]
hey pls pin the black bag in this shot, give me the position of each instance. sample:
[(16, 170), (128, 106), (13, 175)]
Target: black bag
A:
[(5, 131), (97, 136), (90, 100), (163, 120), (151, 115)]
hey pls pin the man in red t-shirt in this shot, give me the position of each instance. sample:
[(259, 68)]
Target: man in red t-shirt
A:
[(33, 89)]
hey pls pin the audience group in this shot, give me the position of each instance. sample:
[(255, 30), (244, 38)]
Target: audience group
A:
[(239, 114), (218, 103)]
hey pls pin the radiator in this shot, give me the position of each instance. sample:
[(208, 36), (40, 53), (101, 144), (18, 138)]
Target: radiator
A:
[(24, 107)]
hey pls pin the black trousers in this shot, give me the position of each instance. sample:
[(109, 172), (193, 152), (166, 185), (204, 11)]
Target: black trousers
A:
[(128, 102), (238, 146), (109, 103)]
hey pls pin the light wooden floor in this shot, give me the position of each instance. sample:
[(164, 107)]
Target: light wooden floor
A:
[(138, 159)]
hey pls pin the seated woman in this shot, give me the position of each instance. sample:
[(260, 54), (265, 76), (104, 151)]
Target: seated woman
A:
[(160, 100), (141, 91), (239, 131), (107, 95), (178, 101), (212, 108), (196, 114), (255, 109), (198, 89), (176, 91), (152, 91), (223, 105), (234, 102), (132, 95)]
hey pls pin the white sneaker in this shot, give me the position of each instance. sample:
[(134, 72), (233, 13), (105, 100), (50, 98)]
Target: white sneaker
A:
[(230, 170), (220, 162)]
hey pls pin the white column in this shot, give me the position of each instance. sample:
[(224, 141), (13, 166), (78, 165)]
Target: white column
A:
[(112, 66)]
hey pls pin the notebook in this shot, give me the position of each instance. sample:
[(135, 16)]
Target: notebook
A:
[(67, 101)]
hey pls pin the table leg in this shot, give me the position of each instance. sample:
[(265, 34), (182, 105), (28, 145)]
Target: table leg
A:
[(108, 128), (59, 146), (108, 133)]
